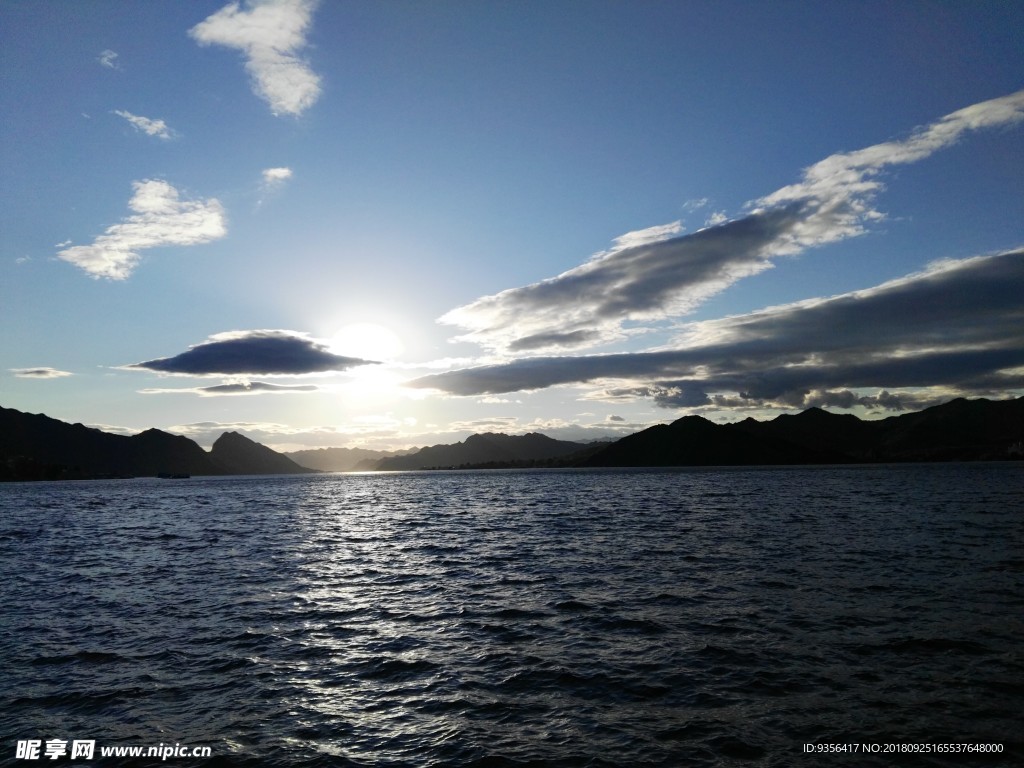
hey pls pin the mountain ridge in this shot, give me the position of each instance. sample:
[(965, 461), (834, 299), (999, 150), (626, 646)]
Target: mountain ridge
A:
[(483, 448), (38, 447), (959, 430)]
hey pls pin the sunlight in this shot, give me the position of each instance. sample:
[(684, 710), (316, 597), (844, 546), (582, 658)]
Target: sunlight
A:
[(368, 341), (373, 386)]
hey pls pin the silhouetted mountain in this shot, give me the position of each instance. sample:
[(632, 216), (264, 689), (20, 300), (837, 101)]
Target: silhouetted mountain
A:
[(341, 459), (960, 430), (488, 448), (238, 455), (695, 441), (817, 430), (155, 452), (34, 446), (37, 447)]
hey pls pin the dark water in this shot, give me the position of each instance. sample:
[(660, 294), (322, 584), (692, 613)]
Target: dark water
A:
[(608, 618)]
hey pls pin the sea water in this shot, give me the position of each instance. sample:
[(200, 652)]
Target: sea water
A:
[(697, 617)]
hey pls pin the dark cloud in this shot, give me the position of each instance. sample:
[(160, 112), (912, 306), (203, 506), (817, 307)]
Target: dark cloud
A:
[(254, 353), (959, 324), (544, 340)]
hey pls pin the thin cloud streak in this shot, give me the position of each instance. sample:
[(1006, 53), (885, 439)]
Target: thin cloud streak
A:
[(958, 324), (39, 373), (235, 389), (652, 275), (160, 218), (150, 127), (259, 352), (270, 34)]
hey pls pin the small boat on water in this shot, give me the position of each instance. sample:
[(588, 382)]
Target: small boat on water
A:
[(173, 476)]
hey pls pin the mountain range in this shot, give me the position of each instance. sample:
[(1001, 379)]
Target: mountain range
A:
[(960, 430), (485, 449), (34, 446)]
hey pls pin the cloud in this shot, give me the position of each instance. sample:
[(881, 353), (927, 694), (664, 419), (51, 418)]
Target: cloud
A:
[(236, 388), (883, 400), (115, 429), (656, 274), (149, 127), (260, 352), (640, 278), (276, 175), (270, 34), (39, 373), (958, 324), (108, 59), (160, 218), (493, 424), (838, 192)]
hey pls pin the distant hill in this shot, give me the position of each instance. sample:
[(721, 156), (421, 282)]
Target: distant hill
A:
[(37, 447), (487, 448), (960, 430), (341, 459), (238, 455)]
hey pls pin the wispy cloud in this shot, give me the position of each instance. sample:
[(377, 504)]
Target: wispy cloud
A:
[(259, 352), (655, 274), (270, 34), (39, 373), (160, 218), (958, 324), (115, 429), (157, 128), (235, 388), (108, 59), (275, 176), (493, 424)]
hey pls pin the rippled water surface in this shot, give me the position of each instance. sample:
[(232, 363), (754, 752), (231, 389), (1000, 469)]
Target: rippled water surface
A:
[(633, 618)]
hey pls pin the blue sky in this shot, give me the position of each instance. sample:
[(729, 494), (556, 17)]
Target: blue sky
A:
[(392, 224)]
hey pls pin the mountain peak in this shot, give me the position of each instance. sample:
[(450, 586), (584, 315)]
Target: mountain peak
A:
[(238, 454)]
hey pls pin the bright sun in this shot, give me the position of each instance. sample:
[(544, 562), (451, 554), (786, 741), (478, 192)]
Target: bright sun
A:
[(368, 341)]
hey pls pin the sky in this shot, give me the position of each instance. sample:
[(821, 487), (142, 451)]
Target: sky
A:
[(393, 224)]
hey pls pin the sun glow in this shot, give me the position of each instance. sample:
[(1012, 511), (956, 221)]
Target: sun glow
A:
[(368, 341)]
